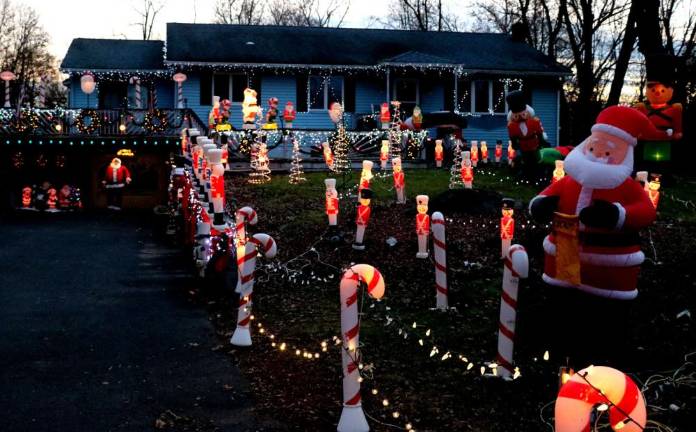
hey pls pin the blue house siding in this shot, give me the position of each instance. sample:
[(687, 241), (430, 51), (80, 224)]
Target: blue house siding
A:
[(369, 93), (545, 103), (431, 97), (165, 94)]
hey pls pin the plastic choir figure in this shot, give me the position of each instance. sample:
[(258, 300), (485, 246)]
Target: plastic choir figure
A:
[(604, 257), (64, 197), (417, 118), (365, 175), (384, 154), (384, 115), (52, 200), (289, 114), (116, 178), (250, 109), (558, 172), (399, 180), (525, 130), (27, 195), (507, 225), (328, 155), (331, 201), (439, 152), (217, 189), (484, 152), (666, 116), (467, 171), (654, 189), (498, 152), (272, 114), (214, 114), (474, 153), (422, 226), (362, 218), (511, 154)]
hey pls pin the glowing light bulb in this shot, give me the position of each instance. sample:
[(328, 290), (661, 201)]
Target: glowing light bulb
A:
[(385, 402), (374, 391), (395, 414), (603, 407), (122, 127)]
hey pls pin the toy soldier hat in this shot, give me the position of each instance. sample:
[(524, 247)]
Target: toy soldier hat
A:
[(508, 203), (466, 155), (193, 132), (661, 68), (422, 200), (367, 164), (330, 183), (200, 139), (366, 194), (215, 156), (207, 148), (515, 101)]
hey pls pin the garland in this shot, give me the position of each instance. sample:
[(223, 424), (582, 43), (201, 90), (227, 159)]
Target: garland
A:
[(156, 121), (25, 120), (95, 122)]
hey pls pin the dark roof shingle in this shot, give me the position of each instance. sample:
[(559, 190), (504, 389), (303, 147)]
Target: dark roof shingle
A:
[(97, 54)]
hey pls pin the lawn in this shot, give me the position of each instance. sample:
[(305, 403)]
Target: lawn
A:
[(423, 367)]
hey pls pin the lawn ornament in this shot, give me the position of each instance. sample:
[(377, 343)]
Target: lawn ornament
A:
[(422, 226), (362, 218), (467, 171), (440, 252), (439, 153), (331, 201), (516, 267), (399, 180), (507, 225)]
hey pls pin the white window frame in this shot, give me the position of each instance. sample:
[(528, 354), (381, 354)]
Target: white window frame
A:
[(230, 85), (325, 79), (472, 94), (395, 93)]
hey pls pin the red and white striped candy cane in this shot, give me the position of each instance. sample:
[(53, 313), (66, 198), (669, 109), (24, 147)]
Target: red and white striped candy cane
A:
[(440, 252), (352, 416), (243, 216), (516, 267), (247, 264), (597, 385)]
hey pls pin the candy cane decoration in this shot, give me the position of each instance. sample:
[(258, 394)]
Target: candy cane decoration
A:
[(440, 252), (243, 216), (516, 267), (598, 385), (138, 94), (247, 264), (352, 416)]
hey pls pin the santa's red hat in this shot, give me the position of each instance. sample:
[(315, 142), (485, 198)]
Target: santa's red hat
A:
[(624, 122)]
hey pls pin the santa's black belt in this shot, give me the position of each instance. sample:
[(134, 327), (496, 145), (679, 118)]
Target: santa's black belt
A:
[(609, 239)]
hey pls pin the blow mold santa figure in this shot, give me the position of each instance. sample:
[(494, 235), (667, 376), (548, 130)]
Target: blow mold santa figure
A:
[(289, 114), (250, 109), (598, 209), (116, 178), (525, 131)]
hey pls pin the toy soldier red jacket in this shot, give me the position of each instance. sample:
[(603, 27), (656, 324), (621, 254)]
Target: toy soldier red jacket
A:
[(116, 177), (398, 180), (528, 140), (666, 117), (422, 224), (332, 206), (507, 227), (217, 186), (363, 216), (467, 174)]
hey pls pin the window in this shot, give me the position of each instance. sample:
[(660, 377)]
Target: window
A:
[(406, 91), (484, 96), (226, 85), (323, 91), (481, 96)]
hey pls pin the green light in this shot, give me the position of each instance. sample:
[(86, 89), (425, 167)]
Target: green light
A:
[(82, 143), (19, 141), (31, 141), (7, 141), (50, 141), (40, 142), (91, 141)]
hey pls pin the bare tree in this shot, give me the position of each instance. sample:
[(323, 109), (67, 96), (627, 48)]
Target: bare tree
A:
[(248, 12), (148, 15), (424, 15), (308, 13)]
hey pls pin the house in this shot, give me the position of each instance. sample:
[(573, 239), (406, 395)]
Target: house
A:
[(468, 73)]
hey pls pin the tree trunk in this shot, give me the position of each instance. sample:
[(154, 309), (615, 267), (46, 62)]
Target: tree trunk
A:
[(648, 24), (622, 61)]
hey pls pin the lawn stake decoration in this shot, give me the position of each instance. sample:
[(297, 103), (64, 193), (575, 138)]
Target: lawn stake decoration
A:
[(654, 189), (27, 194), (52, 200), (439, 152), (352, 416), (362, 218), (246, 263), (399, 180), (606, 389), (384, 154), (217, 189), (289, 114), (558, 172), (440, 252), (328, 156), (467, 170), (331, 201), (384, 115), (498, 151), (507, 226), (484, 152), (422, 226), (474, 153), (243, 217), (516, 266), (511, 154), (365, 175)]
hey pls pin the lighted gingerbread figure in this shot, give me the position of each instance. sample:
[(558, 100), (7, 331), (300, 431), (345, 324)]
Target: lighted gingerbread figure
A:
[(52, 200), (558, 172), (331, 201), (115, 180), (498, 155), (272, 114), (598, 209), (422, 226), (384, 115), (250, 109), (507, 225), (525, 131), (474, 153), (384, 154), (654, 189), (439, 153), (666, 116), (289, 114), (328, 155), (399, 180), (362, 218), (484, 152), (467, 170), (365, 175)]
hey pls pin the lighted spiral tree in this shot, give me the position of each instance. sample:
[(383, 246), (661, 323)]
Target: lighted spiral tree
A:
[(296, 171), (340, 140), (455, 177), (260, 171), (395, 136)]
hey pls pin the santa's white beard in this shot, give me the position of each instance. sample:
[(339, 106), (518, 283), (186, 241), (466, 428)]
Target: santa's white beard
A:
[(597, 175)]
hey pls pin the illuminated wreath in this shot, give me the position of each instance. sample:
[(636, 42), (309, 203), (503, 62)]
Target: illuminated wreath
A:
[(27, 119), (85, 127), (156, 121)]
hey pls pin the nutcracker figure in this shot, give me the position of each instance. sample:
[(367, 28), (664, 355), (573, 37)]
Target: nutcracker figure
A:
[(511, 154), (507, 225), (422, 226), (116, 178), (362, 219), (64, 197), (417, 118), (250, 109), (289, 114), (27, 195), (498, 152), (328, 155), (384, 115), (474, 153), (439, 152), (558, 172), (525, 130), (272, 114), (384, 154), (467, 171), (52, 200), (399, 180), (484, 152), (654, 189), (331, 201), (365, 175), (217, 188)]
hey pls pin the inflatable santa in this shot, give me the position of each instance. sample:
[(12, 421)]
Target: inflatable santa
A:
[(116, 178), (525, 131), (598, 210)]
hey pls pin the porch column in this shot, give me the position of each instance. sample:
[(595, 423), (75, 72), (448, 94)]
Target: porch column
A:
[(388, 87), (455, 108)]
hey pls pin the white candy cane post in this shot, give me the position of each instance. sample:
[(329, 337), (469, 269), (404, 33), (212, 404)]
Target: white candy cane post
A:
[(516, 267), (243, 216), (138, 93), (247, 263), (440, 252), (352, 416)]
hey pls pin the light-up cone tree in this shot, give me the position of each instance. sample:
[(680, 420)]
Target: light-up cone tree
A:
[(341, 142), (395, 136), (296, 171), (455, 174)]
